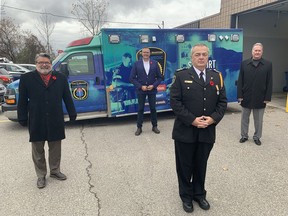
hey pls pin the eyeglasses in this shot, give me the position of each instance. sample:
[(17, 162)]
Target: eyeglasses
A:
[(44, 63), (45, 55)]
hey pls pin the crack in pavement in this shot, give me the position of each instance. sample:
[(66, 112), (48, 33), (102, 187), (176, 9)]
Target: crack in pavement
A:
[(88, 168)]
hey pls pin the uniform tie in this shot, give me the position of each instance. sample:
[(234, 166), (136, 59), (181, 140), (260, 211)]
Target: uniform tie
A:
[(202, 78)]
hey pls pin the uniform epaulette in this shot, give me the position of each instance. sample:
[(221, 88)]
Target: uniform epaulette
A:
[(180, 69), (214, 70)]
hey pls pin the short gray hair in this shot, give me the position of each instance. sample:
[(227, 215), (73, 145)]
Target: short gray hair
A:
[(258, 44), (42, 55), (199, 45)]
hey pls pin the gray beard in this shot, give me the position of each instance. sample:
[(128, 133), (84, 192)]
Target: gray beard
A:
[(46, 72)]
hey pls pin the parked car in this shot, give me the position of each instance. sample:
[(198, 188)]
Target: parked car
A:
[(30, 67), (2, 92), (15, 70), (5, 77), (5, 60)]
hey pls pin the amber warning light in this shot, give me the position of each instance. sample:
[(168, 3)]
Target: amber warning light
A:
[(80, 42), (10, 99)]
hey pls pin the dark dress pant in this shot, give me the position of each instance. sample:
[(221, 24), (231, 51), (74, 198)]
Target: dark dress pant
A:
[(152, 106), (191, 165)]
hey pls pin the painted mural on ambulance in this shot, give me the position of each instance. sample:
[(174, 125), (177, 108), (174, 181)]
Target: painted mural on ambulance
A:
[(98, 68), (225, 56)]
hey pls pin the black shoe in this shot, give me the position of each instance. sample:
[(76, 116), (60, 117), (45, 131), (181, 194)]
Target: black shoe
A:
[(156, 130), (58, 176), (243, 139), (257, 142), (203, 203), (188, 207), (41, 182), (138, 131)]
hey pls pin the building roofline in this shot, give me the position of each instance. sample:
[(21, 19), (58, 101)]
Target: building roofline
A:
[(208, 17)]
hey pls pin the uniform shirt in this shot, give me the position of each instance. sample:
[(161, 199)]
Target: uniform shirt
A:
[(198, 72)]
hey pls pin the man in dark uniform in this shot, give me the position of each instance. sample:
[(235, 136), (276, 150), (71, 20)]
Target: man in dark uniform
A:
[(122, 72), (198, 99), (120, 78)]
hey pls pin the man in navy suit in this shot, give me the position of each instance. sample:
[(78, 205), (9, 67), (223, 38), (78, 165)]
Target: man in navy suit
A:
[(146, 76)]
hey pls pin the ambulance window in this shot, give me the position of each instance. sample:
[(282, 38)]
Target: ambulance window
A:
[(80, 64)]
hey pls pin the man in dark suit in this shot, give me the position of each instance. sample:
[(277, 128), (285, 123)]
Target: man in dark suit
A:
[(254, 91), (146, 76), (198, 99), (40, 106)]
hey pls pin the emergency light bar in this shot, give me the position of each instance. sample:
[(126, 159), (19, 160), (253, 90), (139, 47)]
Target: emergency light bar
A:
[(180, 38), (114, 39)]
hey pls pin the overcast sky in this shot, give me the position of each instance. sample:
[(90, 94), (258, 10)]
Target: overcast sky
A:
[(172, 12)]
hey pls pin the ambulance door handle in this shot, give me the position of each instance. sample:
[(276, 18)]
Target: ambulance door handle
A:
[(97, 81)]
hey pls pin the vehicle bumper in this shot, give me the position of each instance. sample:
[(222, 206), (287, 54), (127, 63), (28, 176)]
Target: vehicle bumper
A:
[(10, 111)]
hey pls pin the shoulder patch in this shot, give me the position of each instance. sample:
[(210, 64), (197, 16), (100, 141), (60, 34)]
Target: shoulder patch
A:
[(174, 79)]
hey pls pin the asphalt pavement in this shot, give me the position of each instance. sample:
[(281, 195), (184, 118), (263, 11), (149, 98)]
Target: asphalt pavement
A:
[(111, 172)]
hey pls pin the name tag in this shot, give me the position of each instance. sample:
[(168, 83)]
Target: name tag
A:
[(188, 81)]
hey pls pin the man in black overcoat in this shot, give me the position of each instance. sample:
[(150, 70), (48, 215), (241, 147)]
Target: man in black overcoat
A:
[(41, 93), (198, 99), (254, 90)]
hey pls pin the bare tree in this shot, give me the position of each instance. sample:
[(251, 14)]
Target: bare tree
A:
[(31, 46), (91, 14), (10, 39), (45, 28)]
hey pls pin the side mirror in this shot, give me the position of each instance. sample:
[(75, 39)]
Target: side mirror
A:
[(64, 69)]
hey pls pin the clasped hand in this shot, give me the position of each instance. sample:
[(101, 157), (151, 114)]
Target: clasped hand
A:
[(202, 121), (147, 88)]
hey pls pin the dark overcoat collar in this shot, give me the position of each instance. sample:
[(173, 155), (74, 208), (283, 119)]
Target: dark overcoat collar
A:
[(37, 76)]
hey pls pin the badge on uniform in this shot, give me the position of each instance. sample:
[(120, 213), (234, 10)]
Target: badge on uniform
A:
[(188, 81), (217, 89)]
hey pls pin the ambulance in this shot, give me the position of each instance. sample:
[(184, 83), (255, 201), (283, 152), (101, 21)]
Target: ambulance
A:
[(98, 68)]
